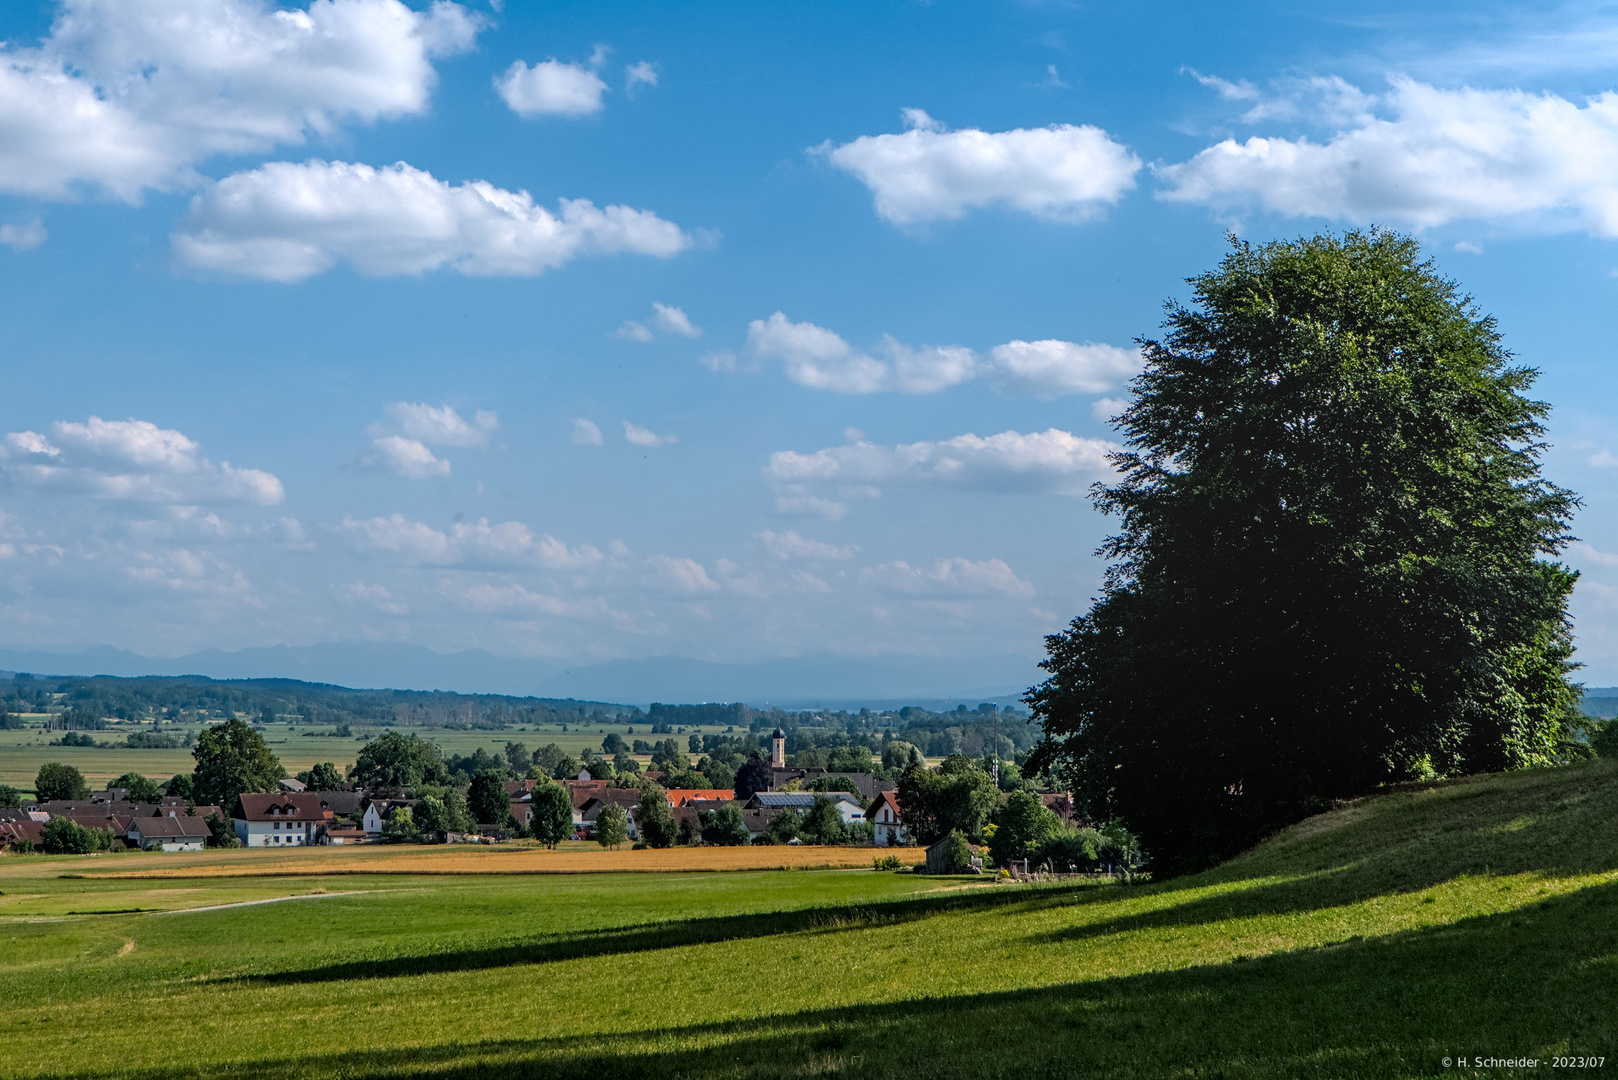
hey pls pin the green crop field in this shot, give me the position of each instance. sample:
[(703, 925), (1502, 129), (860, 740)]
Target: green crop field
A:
[(1470, 919), (23, 751)]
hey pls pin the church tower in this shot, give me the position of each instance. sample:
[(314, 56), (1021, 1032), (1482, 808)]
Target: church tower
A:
[(778, 749)]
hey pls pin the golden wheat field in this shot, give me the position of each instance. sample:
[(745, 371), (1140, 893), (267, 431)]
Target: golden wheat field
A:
[(467, 859)]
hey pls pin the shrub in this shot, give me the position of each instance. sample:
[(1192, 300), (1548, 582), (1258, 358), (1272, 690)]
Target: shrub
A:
[(886, 862), (726, 827), (1604, 739), (64, 836)]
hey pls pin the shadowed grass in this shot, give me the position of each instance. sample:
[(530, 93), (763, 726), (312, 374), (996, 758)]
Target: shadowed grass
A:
[(1477, 918)]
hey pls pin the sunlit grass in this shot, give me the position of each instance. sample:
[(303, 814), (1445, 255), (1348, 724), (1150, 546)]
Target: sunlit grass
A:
[(1479, 917)]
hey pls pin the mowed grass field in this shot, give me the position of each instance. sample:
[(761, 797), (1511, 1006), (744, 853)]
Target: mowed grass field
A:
[(1474, 919), (23, 751)]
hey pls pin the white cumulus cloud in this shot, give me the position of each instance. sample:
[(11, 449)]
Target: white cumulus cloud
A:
[(1052, 460), (641, 74), (797, 504), (420, 426), (673, 320), (789, 545), (510, 544), (443, 426), (123, 97), (1062, 172), (407, 457), (550, 88), (640, 436), (819, 358), (286, 222), (23, 237), (1419, 156), (948, 577), (129, 461), (586, 433), (681, 575)]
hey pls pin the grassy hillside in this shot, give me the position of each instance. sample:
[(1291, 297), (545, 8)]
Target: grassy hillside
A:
[(1469, 919)]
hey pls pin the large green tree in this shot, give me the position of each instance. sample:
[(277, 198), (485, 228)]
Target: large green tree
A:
[(654, 821), (957, 796), (57, 782), (612, 826), (487, 799), (398, 762), (231, 759), (552, 810), (140, 789), (1336, 561)]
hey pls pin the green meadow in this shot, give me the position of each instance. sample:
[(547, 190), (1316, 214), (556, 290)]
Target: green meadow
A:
[(24, 750), (1470, 919)]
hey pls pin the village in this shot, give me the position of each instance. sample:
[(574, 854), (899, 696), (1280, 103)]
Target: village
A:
[(773, 803)]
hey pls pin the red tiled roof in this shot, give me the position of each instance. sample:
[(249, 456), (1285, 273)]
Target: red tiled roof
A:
[(682, 796), (281, 805)]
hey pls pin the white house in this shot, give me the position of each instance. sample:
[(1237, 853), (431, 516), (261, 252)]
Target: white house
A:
[(281, 819), (883, 814), (376, 814), (171, 832), (848, 805)]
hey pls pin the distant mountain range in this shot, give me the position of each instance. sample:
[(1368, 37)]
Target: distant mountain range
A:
[(800, 682)]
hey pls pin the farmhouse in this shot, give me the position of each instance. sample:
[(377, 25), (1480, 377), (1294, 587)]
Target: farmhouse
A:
[(883, 814), (281, 819), (168, 833), (848, 805), (377, 811)]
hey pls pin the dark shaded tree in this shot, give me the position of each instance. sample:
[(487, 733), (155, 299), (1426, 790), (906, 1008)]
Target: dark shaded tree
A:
[(10, 797), (180, 787), (232, 758), (753, 777), (1333, 569), (57, 782), (487, 799)]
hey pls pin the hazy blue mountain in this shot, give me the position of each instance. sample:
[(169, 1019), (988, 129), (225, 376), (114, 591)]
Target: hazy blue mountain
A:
[(802, 682)]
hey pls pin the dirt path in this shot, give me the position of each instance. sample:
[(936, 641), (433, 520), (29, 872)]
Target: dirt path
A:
[(253, 903)]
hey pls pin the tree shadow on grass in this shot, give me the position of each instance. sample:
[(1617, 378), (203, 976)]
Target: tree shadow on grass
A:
[(1509, 985), (672, 934), (1542, 826)]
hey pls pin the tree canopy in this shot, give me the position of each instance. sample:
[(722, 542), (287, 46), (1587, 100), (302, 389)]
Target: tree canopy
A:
[(654, 821), (1335, 566), (487, 799), (58, 782), (552, 809), (957, 796), (399, 762), (232, 758), (612, 826), (140, 789)]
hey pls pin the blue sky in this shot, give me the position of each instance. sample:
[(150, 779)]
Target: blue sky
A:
[(733, 332)]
